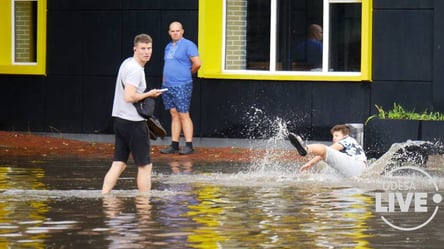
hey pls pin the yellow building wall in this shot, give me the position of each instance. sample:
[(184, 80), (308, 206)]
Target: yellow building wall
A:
[(7, 65)]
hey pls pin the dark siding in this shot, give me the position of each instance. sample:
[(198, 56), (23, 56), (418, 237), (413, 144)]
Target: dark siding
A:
[(403, 56), (64, 103), (248, 108), (403, 45), (23, 103), (438, 52)]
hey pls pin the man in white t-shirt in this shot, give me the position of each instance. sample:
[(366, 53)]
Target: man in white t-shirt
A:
[(345, 154), (131, 130)]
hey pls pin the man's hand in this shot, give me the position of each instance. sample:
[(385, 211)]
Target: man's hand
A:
[(153, 93)]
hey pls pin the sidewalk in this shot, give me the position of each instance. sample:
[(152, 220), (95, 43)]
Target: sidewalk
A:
[(197, 141)]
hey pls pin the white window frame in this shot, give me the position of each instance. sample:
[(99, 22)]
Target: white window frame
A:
[(273, 38)]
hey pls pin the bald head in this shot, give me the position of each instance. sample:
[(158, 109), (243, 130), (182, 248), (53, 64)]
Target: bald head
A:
[(176, 31), (176, 25), (315, 32)]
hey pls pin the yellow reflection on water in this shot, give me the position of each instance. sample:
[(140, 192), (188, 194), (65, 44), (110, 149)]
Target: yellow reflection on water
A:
[(30, 213)]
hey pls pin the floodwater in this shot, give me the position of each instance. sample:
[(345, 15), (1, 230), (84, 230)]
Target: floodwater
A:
[(265, 204)]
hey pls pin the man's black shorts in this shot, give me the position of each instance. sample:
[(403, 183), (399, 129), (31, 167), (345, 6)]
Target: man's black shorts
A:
[(131, 137)]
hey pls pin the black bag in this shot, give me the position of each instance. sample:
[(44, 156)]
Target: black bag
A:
[(146, 107)]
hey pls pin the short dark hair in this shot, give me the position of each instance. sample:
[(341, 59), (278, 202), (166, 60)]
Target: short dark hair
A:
[(142, 38), (342, 128)]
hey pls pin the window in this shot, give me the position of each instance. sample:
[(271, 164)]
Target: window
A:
[(285, 39), (24, 37), (25, 31)]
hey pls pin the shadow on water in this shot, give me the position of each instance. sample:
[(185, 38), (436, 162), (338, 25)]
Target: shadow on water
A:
[(264, 204)]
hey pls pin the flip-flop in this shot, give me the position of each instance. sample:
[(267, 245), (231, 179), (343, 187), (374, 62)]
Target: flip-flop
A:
[(297, 142)]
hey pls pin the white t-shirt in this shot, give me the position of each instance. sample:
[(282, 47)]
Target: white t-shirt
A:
[(130, 72), (353, 149)]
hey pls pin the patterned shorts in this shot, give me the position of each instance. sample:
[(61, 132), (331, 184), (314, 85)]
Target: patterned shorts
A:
[(178, 97)]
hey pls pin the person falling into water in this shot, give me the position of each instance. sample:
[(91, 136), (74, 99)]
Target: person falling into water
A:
[(345, 154)]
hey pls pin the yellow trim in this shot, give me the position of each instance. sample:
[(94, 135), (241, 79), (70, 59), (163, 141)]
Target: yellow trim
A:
[(5, 32), (367, 39), (7, 66), (210, 37), (210, 50)]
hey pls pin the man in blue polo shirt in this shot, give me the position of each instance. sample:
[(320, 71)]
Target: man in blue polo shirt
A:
[(181, 62)]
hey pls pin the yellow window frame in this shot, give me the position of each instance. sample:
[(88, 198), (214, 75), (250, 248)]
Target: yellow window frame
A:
[(210, 40), (7, 65)]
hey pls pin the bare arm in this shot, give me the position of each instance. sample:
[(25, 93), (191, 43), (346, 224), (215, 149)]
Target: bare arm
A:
[(310, 163), (132, 96), (196, 64)]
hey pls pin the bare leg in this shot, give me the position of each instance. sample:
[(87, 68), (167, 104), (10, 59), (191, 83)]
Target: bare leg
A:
[(176, 126), (144, 178), (318, 150), (112, 175), (187, 125)]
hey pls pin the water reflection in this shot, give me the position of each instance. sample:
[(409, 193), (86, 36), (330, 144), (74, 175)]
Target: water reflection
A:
[(183, 167), (22, 220), (197, 206), (128, 229), (338, 216)]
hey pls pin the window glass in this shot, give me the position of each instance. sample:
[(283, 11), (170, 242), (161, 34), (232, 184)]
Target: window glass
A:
[(25, 31), (345, 37), (299, 45), (258, 35), (294, 40), (299, 40)]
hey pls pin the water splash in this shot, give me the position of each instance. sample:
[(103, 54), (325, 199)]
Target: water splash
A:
[(274, 156), (421, 154)]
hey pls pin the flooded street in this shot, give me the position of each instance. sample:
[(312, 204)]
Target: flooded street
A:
[(58, 204)]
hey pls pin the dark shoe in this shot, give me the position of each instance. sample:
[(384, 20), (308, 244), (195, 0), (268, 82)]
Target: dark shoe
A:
[(186, 151), (169, 150), (152, 135), (297, 142), (157, 128)]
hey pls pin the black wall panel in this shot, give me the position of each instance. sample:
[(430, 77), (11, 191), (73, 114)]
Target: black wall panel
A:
[(250, 108), (22, 101), (101, 42), (338, 103), (403, 4), (70, 5), (438, 52), (65, 43), (411, 95), (64, 104), (122, 4), (403, 45), (161, 5), (97, 101), (148, 22)]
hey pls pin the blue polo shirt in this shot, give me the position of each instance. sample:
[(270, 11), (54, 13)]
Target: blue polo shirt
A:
[(177, 67)]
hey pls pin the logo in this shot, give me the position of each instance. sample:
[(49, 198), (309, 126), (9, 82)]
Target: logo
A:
[(401, 197)]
